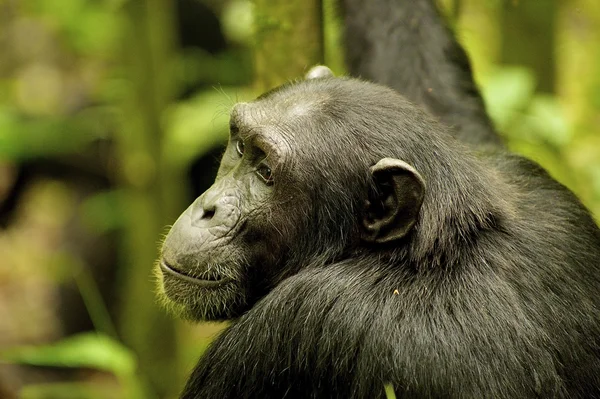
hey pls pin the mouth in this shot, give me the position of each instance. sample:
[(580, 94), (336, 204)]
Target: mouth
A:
[(204, 283)]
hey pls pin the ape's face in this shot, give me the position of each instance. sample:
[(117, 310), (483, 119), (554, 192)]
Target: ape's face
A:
[(222, 251), (290, 191)]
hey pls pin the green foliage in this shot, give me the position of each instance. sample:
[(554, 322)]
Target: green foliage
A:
[(389, 391), (521, 114), (90, 27), (333, 29), (199, 124), (103, 212), (90, 350), (87, 350), (237, 20), (67, 390), (64, 91), (228, 68), (532, 124), (24, 138), (507, 93)]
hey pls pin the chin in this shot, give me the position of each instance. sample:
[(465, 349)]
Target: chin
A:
[(199, 300)]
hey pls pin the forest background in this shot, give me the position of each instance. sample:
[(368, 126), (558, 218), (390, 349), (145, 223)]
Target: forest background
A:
[(113, 115)]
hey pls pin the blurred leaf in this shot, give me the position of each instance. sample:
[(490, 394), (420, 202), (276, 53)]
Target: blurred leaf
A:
[(594, 95), (521, 115), (9, 124), (594, 171), (22, 138), (533, 124), (103, 211), (90, 350), (96, 32), (195, 126), (39, 89), (546, 119), (63, 11), (92, 298), (70, 390), (195, 65), (333, 37), (237, 21), (506, 93), (90, 27)]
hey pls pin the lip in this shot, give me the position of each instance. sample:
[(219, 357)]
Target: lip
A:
[(166, 268)]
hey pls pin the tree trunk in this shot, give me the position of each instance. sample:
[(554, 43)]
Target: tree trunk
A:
[(529, 36), (289, 40), (147, 54)]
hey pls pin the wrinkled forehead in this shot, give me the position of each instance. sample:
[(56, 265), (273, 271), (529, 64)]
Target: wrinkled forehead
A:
[(283, 120)]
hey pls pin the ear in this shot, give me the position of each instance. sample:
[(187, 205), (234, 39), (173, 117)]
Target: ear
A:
[(392, 211), (319, 71)]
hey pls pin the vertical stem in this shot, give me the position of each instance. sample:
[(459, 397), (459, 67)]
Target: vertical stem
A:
[(529, 38), (146, 55), (289, 40)]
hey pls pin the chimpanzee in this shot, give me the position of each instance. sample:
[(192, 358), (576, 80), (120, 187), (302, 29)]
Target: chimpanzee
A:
[(358, 241)]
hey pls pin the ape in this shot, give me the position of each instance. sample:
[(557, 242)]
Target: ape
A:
[(356, 243)]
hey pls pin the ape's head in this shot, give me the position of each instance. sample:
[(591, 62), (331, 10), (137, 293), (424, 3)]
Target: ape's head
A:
[(314, 171)]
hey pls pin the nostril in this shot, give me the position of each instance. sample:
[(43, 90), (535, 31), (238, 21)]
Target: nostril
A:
[(208, 214), (205, 211)]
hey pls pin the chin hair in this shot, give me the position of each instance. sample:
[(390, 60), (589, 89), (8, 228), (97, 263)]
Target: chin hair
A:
[(188, 302)]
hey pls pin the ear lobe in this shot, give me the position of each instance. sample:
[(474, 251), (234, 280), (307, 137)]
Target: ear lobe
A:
[(319, 71), (393, 210)]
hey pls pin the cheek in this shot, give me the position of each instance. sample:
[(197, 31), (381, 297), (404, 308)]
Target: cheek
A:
[(256, 194), (278, 226)]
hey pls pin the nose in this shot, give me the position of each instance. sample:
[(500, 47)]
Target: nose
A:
[(205, 207), (217, 209)]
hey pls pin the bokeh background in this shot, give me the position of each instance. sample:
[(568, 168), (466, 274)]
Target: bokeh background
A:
[(113, 115)]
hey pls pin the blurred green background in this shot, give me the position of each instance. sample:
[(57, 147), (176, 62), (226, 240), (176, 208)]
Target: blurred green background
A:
[(113, 114)]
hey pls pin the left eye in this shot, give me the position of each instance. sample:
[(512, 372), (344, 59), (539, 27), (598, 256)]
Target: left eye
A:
[(265, 173), (240, 147)]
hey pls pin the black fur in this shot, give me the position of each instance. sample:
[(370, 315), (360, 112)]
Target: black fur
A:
[(405, 45), (494, 293)]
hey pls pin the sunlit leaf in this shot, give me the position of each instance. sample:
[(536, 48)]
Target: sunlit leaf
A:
[(237, 20), (507, 92), (195, 126), (22, 138), (102, 212), (548, 120), (90, 350), (70, 390)]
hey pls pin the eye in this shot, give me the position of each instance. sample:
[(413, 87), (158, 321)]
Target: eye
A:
[(264, 171), (240, 147)]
